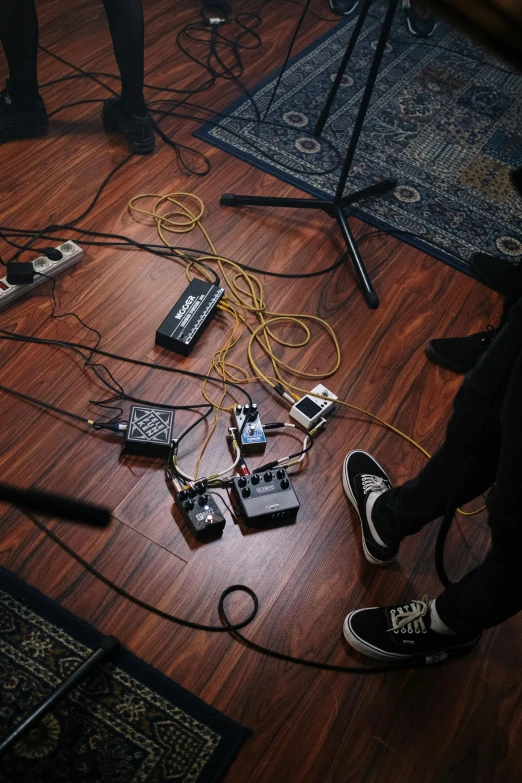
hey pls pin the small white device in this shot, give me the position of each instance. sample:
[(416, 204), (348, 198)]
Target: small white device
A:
[(310, 408), (67, 254)]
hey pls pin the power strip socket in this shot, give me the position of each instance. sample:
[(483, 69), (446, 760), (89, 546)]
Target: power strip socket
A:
[(70, 255)]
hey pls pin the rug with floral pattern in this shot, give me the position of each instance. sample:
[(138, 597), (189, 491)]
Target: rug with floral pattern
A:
[(445, 121)]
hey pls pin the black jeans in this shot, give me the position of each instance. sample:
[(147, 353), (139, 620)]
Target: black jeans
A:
[(482, 448)]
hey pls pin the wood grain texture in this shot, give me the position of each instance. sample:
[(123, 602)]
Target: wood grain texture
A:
[(456, 724)]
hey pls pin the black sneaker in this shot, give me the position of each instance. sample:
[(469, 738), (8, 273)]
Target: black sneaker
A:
[(497, 273), (17, 122), (460, 354), (419, 20), (363, 480), (396, 633), (343, 7), (137, 130)]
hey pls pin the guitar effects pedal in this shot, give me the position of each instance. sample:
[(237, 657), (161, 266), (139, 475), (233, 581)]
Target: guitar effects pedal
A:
[(263, 498)]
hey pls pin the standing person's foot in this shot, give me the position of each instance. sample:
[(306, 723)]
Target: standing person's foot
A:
[(419, 19), (364, 480), (138, 131), (460, 354), (21, 119), (497, 273), (396, 633), (343, 7)]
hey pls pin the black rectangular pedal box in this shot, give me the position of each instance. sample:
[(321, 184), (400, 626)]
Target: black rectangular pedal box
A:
[(189, 317), (149, 432), (253, 439), (262, 499), (199, 509)]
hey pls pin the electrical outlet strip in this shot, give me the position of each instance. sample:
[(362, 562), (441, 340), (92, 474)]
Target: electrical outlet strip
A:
[(71, 254)]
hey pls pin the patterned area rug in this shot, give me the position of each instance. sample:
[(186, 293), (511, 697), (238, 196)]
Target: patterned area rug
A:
[(126, 722), (445, 120)]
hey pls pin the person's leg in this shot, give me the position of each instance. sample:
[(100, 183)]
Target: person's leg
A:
[(19, 36), (128, 113), (467, 461), (489, 595), (493, 592), (127, 31), (22, 111)]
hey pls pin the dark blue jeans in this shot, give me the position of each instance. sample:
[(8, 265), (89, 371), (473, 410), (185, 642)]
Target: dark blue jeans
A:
[(482, 448)]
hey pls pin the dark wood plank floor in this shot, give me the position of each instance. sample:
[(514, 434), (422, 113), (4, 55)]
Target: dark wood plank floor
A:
[(455, 724)]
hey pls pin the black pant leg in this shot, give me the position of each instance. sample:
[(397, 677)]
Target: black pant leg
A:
[(466, 463), (19, 36), (493, 592), (127, 31)]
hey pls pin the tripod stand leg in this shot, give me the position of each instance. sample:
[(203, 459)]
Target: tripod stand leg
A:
[(370, 297), (233, 200), (372, 190), (365, 101), (321, 122)]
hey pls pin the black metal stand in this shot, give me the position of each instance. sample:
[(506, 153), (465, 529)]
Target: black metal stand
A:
[(107, 646), (335, 207)]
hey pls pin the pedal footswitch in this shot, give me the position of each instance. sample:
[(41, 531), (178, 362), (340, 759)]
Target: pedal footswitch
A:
[(199, 509), (261, 499), (310, 409)]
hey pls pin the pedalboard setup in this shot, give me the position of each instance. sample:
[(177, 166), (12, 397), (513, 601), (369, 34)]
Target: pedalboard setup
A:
[(149, 432), (310, 409), (200, 511), (262, 499), (189, 317), (57, 260), (253, 438)]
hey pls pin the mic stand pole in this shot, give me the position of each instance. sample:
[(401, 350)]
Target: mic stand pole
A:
[(335, 207)]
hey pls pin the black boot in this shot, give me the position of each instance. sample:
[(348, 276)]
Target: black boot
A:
[(497, 273), (137, 130), (460, 354), (20, 120)]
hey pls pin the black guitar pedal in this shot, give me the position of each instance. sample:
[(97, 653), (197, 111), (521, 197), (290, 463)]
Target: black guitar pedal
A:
[(200, 511), (262, 499)]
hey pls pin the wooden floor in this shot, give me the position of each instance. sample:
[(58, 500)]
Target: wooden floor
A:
[(453, 724)]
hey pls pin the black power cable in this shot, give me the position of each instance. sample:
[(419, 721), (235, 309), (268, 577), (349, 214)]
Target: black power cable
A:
[(228, 626)]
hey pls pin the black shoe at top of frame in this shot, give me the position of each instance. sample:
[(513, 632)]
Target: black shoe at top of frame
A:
[(460, 354), (344, 7), (498, 274), (397, 633), (19, 120), (138, 131), (419, 19), (362, 477)]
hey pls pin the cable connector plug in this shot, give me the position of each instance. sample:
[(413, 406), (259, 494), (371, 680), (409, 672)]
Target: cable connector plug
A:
[(318, 427), (20, 272), (112, 426), (267, 466), (282, 393), (274, 425)]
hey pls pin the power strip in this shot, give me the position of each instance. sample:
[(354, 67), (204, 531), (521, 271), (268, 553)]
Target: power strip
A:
[(71, 254)]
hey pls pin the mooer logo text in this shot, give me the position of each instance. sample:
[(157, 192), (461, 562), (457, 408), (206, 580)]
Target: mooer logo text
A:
[(185, 307)]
